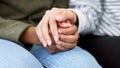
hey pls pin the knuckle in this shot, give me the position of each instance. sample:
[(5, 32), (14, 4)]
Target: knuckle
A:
[(59, 43), (75, 39), (54, 8), (73, 46), (59, 47), (74, 28), (48, 11)]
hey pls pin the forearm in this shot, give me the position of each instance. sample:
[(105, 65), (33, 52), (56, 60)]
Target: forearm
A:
[(29, 36)]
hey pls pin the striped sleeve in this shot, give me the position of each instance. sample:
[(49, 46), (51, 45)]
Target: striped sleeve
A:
[(87, 13), (99, 17)]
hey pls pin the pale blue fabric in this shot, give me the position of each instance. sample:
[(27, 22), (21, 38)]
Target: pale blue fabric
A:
[(75, 58), (14, 56)]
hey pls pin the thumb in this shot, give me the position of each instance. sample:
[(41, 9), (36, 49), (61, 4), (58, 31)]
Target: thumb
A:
[(64, 24), (61, 18), (66, 16)]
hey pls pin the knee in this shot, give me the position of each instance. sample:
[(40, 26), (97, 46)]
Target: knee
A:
[(14, 56), (11, 48), (75, 58)]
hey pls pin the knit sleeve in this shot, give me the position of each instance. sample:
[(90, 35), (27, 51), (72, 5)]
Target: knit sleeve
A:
[(88, 13), (11, 30)]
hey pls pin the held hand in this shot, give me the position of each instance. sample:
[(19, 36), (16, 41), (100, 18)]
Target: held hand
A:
[(50, 19), (65, 15), (42, 30), (44, 34), (68, 38), (60, 15)]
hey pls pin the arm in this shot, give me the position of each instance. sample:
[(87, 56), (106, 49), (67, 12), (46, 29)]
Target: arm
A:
[(20, 33), (88, 14), (12, 30), (29, 36)]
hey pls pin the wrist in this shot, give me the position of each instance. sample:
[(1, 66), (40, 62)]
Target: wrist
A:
[(29, 36)]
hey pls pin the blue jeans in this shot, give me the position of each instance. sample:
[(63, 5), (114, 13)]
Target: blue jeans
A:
[(15, 56)]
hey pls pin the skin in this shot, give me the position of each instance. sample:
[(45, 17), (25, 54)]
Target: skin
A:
[(59, 15), (56, 31)]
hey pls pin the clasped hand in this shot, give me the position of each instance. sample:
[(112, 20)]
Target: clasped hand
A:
[(57, 31)]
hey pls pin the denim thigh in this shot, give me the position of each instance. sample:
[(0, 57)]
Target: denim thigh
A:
[(74, 58), (15, 56)]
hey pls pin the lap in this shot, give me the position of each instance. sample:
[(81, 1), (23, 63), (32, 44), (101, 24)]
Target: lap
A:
[(75, 58), (14, 56)]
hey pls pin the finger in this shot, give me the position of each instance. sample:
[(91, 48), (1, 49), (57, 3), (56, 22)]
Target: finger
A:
[(68, 31), (65, 24), (43, 24), (45, 29), (52, 51), (53, 25), (40, 35), (69, 38), (66, 46), (61, 48), (66, 15)]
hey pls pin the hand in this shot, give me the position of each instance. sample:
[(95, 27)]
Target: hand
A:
[(43, 31), (60, 15), (50, 19), (44, 34), (68, 38)]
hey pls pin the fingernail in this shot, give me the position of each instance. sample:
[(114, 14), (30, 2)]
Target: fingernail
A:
[(59, 31), (44, 44), (59, 17), (49, 42)]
